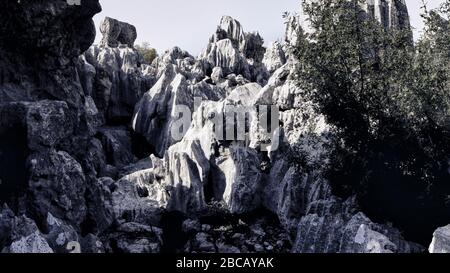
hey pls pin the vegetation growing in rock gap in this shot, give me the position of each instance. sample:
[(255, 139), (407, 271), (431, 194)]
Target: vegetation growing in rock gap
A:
[(148, 53)]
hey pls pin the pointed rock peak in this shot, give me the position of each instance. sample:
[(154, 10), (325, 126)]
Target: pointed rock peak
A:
[(293, 24), (230, 24), (229, 28), (227, 19), (250, 44)]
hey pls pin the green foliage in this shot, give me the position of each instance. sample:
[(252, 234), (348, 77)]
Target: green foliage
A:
[(389, 99), (148, 53)]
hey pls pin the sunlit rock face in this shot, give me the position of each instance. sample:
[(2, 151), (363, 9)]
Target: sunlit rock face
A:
[(441, 241), (235, 52)]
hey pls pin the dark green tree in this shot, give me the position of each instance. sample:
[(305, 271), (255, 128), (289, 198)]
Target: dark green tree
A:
[(390, 103), (148, 53)]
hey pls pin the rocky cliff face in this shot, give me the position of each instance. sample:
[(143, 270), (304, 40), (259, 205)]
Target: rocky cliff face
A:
[(48, 120), (392, 14), (91, 163)]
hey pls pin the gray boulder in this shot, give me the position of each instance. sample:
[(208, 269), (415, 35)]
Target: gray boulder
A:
[(60, 236), (250, 44), (23, 236), (46, 123), (56, 185), (140, 197), (33, 243), (203, 160), (441, 241), (116, 32)]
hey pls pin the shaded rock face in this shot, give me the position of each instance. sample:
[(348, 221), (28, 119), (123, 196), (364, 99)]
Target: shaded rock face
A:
[(46, 106), (27, 238), (117, 144), (136, 238), (69, 29), (21, 235), (112, 73), (47, 122), (140, 198), (44, 62), (259, 233), (59, 234), (94, 166), (57, 185)]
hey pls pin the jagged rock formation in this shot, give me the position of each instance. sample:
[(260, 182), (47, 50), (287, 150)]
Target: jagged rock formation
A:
[(392, 14), (117, 33), (203, 168), (116, 82), (47, 123), (235, 52), (275, 57), (92, 163)]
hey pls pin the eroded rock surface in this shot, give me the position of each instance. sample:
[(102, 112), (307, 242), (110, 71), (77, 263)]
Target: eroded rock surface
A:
[(441, 241), (116, 32)]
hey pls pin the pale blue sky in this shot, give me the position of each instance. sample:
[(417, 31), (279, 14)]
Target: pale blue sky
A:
[(189, 23)]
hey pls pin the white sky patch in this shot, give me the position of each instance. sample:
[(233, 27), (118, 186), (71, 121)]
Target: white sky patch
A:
[(189, 24)]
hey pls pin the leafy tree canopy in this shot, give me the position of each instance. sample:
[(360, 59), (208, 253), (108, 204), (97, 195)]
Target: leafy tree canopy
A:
[(389, 99), (148, 53)]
